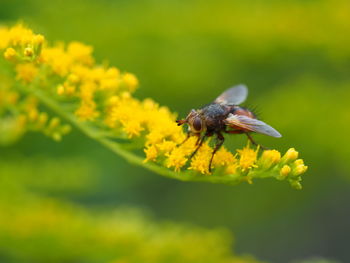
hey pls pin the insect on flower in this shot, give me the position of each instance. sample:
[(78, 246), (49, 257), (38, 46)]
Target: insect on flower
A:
[(225, 116)]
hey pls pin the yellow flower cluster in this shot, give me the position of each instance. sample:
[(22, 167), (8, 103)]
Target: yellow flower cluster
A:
[(27, 117), (103, 96)]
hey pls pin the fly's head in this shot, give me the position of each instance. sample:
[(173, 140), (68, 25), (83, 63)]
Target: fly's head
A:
[(195, 121)]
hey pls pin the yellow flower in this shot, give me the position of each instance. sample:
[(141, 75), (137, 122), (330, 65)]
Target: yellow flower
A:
[(151, 153), (224, 158), (59, 61), (28, 51), (80, 53), (132, 127), (38, 39), (232, 168), (87, 111), (4, 37), (26, 72), (130, 81), (285, 170), (247, 158), (290, 155), (177, 159), (10, 53), (200, 162), (300, 169), (269, 158), (166, 146)]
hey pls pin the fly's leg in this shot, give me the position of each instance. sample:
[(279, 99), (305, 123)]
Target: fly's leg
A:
[(219, 141), (201, 140), (189, 134), (187, 137), (198, 138), (254, 142)]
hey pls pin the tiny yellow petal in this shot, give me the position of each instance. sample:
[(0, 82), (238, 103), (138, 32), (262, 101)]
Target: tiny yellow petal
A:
[(151, 153)]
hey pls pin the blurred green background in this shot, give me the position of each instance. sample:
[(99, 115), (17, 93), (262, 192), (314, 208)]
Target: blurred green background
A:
[(295, 58)]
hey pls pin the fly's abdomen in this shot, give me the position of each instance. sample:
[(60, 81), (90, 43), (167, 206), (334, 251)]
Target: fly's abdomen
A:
[(237, 110)]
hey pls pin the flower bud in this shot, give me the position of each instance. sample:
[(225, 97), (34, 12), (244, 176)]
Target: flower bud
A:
[(28, 52), (296, 184), (269, 158), (300, 169), (38, 39), (131, 81), (60, 90), (54, 123), (290, 155), (285, 170)]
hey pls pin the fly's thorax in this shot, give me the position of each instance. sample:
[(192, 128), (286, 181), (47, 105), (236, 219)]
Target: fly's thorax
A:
[(214, 110)]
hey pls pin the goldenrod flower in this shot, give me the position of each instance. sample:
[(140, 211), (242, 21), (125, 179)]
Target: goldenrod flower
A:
[(200, 161), (247, 158), (151, 153), (176, 159)]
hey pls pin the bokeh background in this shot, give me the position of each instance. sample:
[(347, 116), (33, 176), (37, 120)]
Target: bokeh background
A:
[(295, 58)]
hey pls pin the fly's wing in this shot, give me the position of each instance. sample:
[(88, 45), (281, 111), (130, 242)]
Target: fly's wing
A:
[(251, 125), (233, 96)]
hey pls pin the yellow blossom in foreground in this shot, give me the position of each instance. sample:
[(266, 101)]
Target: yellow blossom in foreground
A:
[(102, 96)]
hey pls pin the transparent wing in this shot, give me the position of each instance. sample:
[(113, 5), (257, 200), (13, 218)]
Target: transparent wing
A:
[(251, 125), (233, 96)]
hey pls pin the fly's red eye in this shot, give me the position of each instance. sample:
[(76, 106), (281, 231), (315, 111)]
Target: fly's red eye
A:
[(197, 124)]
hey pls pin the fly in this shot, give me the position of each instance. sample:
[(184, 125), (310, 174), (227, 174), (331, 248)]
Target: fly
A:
[(224, 115)]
